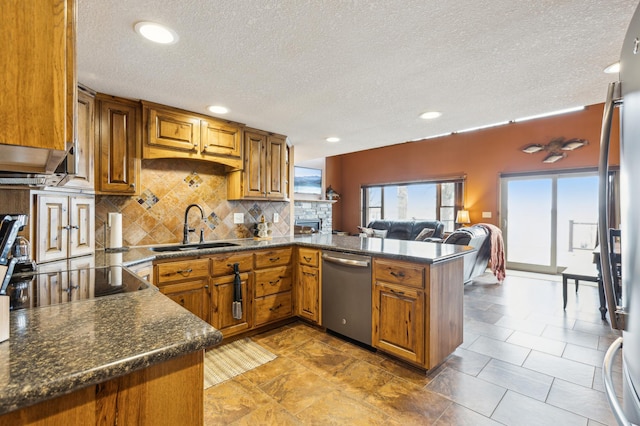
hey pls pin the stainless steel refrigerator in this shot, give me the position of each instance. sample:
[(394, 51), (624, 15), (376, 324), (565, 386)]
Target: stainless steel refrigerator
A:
[(625, 315)]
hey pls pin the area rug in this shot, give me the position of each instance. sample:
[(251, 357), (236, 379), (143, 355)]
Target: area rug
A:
[(231, 359)]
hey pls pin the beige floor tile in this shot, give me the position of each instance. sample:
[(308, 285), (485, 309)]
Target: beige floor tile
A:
[(296, 391), (338, 408), (230, 401), (270, 414), (457, 415), (322, 358), (361, 379)]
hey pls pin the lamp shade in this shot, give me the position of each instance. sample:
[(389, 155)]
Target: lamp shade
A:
[(463, 217)]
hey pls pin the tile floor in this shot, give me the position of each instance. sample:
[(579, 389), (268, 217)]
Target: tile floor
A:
[(524, 361)]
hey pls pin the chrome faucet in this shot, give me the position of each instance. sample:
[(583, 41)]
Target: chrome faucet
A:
[(186, 230)]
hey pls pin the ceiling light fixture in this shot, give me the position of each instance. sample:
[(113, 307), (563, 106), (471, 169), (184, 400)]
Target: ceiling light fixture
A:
[(555, 148), (217, 109), (332, 139), (156, 32), (430, 115), (613, 68)]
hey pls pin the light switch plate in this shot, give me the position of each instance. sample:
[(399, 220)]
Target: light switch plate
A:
[(276, 218), (486, 215), (238, 218)]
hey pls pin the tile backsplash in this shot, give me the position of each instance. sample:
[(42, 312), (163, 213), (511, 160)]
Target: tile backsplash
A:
[(156, 216)]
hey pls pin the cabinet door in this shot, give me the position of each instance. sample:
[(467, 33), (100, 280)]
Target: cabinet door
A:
[(85, 142), (398, 321), (52, 227), (81, 224), (255, 165), (272, 308), (117, 158), (308, 296), (38, 77), (222, 301), (219, 138), (171, 129), (276, 167), (190, 295)]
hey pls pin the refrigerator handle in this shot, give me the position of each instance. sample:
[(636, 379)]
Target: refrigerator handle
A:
[(613, 96), (607, 375)]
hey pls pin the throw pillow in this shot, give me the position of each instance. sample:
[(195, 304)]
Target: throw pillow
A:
[(425, 233), (380, 233), (365, 232)]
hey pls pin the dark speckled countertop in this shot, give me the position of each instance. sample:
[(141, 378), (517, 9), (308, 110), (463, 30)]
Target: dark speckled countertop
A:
[(414, 251), (57, 349)]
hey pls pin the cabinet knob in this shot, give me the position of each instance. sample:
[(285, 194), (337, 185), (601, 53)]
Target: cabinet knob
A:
[(182, 301), (132, 186)]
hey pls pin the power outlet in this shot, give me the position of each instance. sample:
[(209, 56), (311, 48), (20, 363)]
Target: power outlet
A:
[(238, 218), (276, 218), (486, 215)]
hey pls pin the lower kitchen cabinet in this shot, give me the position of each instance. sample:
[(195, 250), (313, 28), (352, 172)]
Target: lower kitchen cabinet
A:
[(222, 297), (308, 291), (272, 300), (398, 321), (185, 282), (189, 295)]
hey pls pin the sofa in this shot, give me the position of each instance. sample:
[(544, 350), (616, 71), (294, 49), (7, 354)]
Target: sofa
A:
[(407, 229), (476, 236)]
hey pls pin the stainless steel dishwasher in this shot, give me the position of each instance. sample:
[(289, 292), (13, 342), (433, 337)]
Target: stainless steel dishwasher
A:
[(346, 295)]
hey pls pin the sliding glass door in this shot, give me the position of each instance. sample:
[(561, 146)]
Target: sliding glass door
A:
[(549, 221)]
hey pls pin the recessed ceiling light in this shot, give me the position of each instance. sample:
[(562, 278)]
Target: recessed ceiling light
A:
[(613, 68), (333, 139), (156, 32), (430, 115), (217, 109)]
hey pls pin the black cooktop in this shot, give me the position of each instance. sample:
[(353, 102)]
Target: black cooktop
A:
[(49, 286)]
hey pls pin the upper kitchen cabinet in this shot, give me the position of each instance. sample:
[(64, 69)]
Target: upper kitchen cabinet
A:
[(38, 83), (265, 171), (117, 157), (85, 121), (172, 133)]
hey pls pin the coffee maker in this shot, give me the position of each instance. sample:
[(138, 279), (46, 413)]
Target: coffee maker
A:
[(14, 250)]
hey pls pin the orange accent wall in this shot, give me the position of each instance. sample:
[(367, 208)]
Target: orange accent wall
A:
[(481, 155)]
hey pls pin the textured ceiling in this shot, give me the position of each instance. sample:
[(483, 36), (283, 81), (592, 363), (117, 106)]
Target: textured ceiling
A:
[(360, 70)]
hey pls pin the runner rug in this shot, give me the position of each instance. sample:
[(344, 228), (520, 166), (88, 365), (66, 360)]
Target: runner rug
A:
[(229, 360)]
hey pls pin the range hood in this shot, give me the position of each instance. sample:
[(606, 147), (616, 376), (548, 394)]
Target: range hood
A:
[(21, 165)]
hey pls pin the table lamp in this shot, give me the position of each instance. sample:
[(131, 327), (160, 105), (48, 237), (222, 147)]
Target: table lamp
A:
[(462, 218)]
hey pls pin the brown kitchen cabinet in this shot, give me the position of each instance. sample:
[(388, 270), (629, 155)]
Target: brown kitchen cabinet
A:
[(308, 290), (185, 281), (265, 171), (417, 309), (117, 153), (273, 286), (38, 83), (64, 226), (173, 133), (222, 291), (83, 151)]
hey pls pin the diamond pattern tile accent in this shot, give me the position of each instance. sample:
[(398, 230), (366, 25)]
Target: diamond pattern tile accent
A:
[(213, 221), (193, 180), (256, 211), (147, 199)]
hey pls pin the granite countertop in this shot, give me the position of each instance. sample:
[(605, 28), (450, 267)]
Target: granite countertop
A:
[(57, 349), (414, 251)]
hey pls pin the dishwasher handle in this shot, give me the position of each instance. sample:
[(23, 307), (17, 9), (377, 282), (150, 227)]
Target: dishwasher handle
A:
[(345, 261)]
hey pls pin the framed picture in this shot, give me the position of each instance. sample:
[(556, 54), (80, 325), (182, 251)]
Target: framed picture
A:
[(307, 181)]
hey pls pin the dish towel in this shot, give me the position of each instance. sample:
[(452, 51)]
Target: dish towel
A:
[(236, 308)]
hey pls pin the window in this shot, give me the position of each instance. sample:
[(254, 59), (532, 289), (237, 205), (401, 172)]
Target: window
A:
[(436, 200)]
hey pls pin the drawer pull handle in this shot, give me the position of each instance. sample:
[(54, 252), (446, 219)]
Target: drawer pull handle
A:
[(398, 274), (275, 308), (184, 272), (310, 274), (274, 282), (308, 259), (397, 292), (274, 259)]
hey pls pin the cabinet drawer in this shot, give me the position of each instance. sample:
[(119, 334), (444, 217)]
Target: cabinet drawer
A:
[(183, 269), (403, 273), (273, 280), (310, 257), (272, 308), (269, 258), (223, 264)]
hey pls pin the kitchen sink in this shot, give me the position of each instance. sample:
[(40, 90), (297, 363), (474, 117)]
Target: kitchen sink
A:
[(186, 247)]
